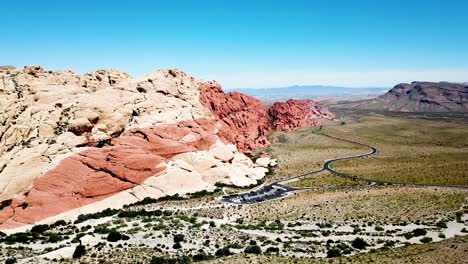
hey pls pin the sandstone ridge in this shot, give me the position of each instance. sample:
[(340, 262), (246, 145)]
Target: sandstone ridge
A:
[(73, 144), (294, 114)]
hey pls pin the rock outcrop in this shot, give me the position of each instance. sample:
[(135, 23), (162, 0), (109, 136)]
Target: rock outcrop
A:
[(244, 119), (73, 144), (294, 114), (418, 97)]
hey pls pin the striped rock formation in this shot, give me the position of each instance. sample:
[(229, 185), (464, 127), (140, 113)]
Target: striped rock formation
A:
[(72, 144)]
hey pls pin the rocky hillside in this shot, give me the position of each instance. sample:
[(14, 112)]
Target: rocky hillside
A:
[(419, 97), (294, 114), (72, 144)]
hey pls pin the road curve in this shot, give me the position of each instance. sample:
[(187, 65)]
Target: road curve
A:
[(279, 189)]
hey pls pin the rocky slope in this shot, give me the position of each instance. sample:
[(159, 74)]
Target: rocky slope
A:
[(293, 114), (73, 144), (419, 97)]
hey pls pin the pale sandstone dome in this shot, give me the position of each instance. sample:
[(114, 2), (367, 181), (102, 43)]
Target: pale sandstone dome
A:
[(48, 118)]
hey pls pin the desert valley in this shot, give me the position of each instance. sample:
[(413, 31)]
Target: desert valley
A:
[(167, 168), (234, 132)]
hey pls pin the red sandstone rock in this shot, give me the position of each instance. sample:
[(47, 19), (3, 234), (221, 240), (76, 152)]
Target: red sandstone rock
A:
[(295, 114), (98, 173), (245, 121)]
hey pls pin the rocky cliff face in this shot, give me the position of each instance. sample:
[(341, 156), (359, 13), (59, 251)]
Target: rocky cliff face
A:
[(245, 121), (419, 97), (294, 114), (73, 144)]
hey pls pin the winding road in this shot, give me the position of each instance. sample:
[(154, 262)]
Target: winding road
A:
[(279, 189)]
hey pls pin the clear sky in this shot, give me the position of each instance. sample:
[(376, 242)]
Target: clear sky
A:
[(245, 43)]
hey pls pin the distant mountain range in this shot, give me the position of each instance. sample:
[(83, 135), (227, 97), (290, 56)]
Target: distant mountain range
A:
[(418, 97), (268, 95), (310, 90)]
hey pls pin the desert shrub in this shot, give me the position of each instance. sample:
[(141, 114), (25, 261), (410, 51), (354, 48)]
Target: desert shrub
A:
[(80, 250), (20, 237), (379, 228), (441, 224), (115, 236), (333, 253), (282, 138), (253, 249), (164, 260), (177, 245), (59, 223), (202, 256), (106, 212), (419, 232), (359, 243), (179, 238), (54, 238), (39, 229), (272, 250), (223, 252), (102, 143), (10, 261), (426, 240)]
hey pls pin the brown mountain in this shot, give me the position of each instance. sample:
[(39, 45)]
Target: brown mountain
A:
[(418, 97)]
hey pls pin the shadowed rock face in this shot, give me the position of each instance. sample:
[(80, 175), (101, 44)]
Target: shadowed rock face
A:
[(294, 114), (245, 121), (419, 97)]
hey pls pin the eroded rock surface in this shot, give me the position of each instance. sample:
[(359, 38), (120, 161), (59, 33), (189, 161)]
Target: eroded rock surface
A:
[(245, 121), (294, 114), (73, 144)]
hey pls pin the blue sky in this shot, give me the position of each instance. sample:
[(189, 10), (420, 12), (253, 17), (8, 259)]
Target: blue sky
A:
[(245, 43)]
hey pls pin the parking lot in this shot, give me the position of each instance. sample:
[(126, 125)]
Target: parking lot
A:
[(262, 194)]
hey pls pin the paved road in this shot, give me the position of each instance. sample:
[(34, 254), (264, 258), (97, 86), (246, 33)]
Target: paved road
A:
[(279, 189)]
